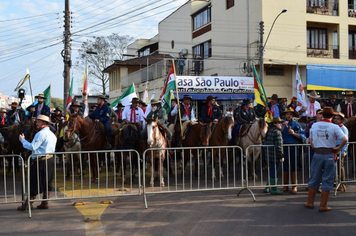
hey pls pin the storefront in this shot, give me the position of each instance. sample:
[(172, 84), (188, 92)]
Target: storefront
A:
[(229, 90)]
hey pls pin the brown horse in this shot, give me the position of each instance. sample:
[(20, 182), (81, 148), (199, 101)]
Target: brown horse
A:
[(197, 135), (93, 138), (156, 138), (220, 137)]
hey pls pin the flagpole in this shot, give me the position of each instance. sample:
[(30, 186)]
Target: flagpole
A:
[(29, 81), (175, 80), (50, 94)]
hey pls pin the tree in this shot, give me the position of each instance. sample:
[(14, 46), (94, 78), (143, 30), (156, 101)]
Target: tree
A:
[(107, 50), (57, 102)]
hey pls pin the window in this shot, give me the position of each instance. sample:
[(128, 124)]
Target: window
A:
[(203, 49), (317, 38), (230, 3), (320, 3), (275, 71), (352, 44), (202, 18), (145, 52)]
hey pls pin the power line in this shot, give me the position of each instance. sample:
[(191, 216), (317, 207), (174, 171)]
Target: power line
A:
[(27, 17)]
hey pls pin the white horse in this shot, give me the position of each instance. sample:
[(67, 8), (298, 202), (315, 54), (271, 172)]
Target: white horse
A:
[(254, 136), (72, 144)]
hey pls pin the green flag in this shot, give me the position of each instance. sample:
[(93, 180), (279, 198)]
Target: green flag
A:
[(171, 86), (126, 97), (47, 94)]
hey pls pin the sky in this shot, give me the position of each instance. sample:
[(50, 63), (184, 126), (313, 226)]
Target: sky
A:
[(31, 34)]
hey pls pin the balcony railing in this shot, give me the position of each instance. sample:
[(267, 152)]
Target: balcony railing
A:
[(320, 7), (329, 51)]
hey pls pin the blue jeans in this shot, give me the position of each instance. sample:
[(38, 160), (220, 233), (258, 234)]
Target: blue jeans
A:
[(323, 167), (274, 167), (293, 160), (235, 133)]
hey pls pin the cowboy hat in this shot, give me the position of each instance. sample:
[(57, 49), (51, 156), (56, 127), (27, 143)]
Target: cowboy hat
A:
[(291, 110), (57, 109), (95, 105), (348, 93), (246, 101), (135, 100), (13, 104), (187, 97), (76, 104), (274, 97), (28, 108), (142, 103), (120, 105), (3, 110), (41, 95), (173, 99), (102, 97), (276, 120), (283, 100), (329, 111), (210, 97), (313, 94), (155, 101), (333, 96), (342, 116), (294, 98), (44, 118)]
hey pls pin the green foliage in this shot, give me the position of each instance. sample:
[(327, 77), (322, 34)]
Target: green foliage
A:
[(57, 102)]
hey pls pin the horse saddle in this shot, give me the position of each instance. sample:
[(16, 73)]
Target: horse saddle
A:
[(244, 129), (185, 128)]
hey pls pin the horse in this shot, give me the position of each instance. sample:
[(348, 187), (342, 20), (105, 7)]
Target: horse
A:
[(126, 137), (156, 138), (220, 136), (196, 136), (93, 138), (254, 136)]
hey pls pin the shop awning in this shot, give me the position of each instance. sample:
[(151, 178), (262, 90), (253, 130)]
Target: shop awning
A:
[(331, 77)]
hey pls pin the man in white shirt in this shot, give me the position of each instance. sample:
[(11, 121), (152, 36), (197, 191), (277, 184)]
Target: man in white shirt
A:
[(309, 111), (133, 114)]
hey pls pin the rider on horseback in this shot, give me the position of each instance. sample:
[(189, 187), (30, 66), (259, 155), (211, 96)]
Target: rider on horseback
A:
[(133, 114), (187, 117), (16, 115), (244, 115), (160, 112), (211, 112), (102, 114)]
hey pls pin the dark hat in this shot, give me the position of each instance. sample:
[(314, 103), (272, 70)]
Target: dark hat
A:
[(274, 97), (95, 105), (283, 100), (142, 103), (187, 97), (102, 97), (28, 108), (246, 101), (41, 95), (349, 93), (294, 98), (135, 100), (76, 104), (329, 111), (173, 99), (13, 104), (57, 109), (210, 97), (276, 120), (290, 109), (333, 96), (318, 111), (120, 105)]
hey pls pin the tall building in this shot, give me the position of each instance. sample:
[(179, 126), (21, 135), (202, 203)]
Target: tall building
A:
[(318, 35)]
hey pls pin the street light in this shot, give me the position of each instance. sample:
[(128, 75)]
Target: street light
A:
[(262, 46)]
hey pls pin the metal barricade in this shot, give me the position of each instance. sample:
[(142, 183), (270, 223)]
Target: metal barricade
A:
[(197, 176), (260, 167), (12, 185), (346, 168), (83, 175)]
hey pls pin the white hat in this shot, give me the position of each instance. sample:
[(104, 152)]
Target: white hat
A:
[(44, 118)]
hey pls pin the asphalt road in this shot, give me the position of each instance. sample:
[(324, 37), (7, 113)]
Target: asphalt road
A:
[(194, 213)]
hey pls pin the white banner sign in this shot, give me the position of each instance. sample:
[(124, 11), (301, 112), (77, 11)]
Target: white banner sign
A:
[(215, 84)]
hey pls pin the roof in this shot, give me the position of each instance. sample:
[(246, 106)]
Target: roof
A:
[(138, 61)]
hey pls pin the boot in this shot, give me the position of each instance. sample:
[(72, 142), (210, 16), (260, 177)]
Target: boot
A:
[(311, 197), (267, 189), (323, 201), (44, 204), (23, 207), (108, 145), (294, 176), (285, 180), (274, 190)]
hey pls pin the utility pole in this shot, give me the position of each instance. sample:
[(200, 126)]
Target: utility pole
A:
[(261, 51), (66, 53)]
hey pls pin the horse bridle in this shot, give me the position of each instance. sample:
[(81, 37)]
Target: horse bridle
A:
[(92, 139)]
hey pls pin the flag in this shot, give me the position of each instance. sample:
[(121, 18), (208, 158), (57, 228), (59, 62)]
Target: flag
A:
[(171, 86), (302, 100), (145, 96), (47, 94), (260, 94), (126, 97), (69, 99), (85, 93), (149, 107), (22, 81)]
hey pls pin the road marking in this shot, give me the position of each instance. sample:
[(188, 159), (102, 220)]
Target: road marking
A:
[(93, 210)]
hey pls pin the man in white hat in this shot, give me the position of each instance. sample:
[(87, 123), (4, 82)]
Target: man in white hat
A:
[(41, 108), (42, 164), (311, 109), (347, 107)]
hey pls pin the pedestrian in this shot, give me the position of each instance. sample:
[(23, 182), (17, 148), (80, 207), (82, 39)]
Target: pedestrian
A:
[(197, 65), (293, 103), (75, 108), (338, 120), (41, 108), (275, 107), (3, 117), (57, 116), (274, 154), (292, 133), (323, 141), (347, 107), (142, 105), (181, 64), (42, 162), (332, 102)]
